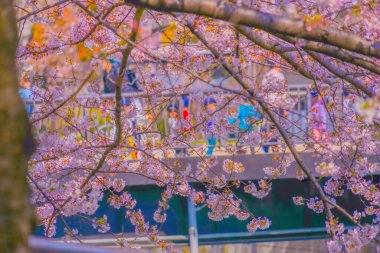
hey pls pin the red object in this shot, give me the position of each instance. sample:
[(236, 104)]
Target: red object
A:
[(185, 115)]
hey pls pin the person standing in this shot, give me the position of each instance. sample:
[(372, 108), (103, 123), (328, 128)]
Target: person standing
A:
[(349, 106), (246, 115), (174, 123), (27, 95), (274, 88), (173, 120), (186, 114), (318, 117), (111, 73), (210, 106)]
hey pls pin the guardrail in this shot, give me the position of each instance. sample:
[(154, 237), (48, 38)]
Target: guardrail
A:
[(300, 114), (41, 245)]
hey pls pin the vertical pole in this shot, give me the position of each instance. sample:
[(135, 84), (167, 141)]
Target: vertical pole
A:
[(193, 232), (308, 114)]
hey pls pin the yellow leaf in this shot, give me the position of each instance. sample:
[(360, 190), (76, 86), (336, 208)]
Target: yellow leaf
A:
[(373, 4), (314, 20), (317, 17), (38, 30), (70, 113), (67, 17), (169, 33), (93, 7), (356, 11), (85, 53)]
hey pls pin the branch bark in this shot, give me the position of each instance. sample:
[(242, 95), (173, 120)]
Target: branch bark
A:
[(335, 52), (274, 48), (331, 68), (66, 100), (118, 97), (15, 135), (341, 74), (274, 120), (268, 22), (47, 7)]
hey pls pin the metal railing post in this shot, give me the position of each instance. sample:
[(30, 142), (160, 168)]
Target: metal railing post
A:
[(193, 231)]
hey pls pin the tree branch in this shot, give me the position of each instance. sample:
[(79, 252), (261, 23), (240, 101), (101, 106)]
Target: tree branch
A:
[(49, 6), (16, 213), (341, 74), (271, 23), (335, 52), (66, 100), (334, 70), (283, 133), (118, 109)]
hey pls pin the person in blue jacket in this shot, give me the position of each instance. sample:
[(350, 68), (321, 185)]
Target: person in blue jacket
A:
[(27, 96), (210, 105), (129, 83), (246, 114)]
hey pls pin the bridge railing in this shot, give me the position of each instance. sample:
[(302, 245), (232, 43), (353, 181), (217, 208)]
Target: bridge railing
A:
[(150, 105), (41, 245)]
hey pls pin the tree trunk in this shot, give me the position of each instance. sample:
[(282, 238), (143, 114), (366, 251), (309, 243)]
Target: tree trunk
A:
[(15, 138)]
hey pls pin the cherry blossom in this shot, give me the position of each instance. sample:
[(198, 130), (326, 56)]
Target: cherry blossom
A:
[(89, 141)]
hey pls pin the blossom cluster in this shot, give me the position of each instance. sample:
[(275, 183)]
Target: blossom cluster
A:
[(89, 142)]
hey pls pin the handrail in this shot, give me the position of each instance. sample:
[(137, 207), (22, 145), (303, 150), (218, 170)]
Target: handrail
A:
[(300, 115), (296, 88), (98, 245), (41, 245)]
